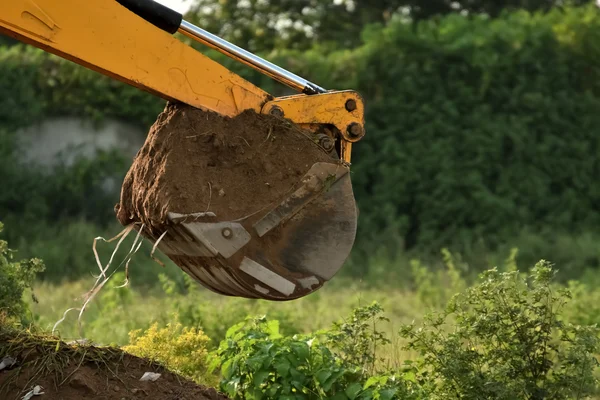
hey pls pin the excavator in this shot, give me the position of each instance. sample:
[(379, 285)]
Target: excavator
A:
[(137, 42)]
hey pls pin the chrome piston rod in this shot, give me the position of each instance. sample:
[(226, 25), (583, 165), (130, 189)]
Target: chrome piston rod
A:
[(237, 53), (171, 21)]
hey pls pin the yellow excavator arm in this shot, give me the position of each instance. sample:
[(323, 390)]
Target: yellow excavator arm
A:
[(132, 41), (105, 36)]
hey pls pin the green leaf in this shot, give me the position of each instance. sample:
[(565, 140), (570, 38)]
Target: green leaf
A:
[(410, 376), (282, 367), (371, 381), (260, 377), (273, 329), (332, 379), (257, 361), (273, 390), (353, 390), (301, 350), (297, 375), (322, 375), (226, 369), (387, 394)]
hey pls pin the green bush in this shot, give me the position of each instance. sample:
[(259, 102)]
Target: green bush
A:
[(506, 338), (36, 195), (15, 278), (257, 362), (481, 127)]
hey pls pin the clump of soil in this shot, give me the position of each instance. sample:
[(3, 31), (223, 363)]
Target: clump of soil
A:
[(86, 372), (196, 161)]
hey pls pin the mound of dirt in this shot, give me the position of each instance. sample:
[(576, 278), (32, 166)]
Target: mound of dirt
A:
[(67, 372), (195, 161)]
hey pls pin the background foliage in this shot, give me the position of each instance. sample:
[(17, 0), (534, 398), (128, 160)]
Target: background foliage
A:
[(283, 24), (485, 130)]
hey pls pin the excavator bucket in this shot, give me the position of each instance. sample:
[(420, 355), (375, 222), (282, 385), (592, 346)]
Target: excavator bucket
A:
[(252, 206), (283, 253)]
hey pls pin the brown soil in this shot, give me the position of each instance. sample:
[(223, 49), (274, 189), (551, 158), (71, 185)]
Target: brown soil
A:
[(87, 373), (196, 161)]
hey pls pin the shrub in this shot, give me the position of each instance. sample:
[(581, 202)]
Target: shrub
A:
[(258, 362), (504, 338), (356, 341), (15, 278), (180, 349)]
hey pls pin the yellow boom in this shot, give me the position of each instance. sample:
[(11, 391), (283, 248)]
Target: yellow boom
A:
[(104, 36)]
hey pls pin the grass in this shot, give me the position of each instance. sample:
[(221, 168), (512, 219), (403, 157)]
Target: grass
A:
[(406, 292), (117, 311)]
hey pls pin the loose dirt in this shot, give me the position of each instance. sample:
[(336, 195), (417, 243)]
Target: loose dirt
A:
[(85, 372), (196, 161)]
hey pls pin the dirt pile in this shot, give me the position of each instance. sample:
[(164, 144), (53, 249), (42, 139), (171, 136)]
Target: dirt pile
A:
[(84, 372), (196, 161)]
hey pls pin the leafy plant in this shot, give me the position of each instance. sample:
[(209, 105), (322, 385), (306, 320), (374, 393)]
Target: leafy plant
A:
[(357, 340), (504, 338), (178, 348), (258, 362), (15, 278)]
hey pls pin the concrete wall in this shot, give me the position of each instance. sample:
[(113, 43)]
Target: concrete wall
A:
[(65, 138)]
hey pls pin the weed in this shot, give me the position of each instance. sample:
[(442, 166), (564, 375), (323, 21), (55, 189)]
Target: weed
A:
[(180, 349), (15, 278)]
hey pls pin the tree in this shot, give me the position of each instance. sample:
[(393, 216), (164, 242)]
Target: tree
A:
[(264, 25)]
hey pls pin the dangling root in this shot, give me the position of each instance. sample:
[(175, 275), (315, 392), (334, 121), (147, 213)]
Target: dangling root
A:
[(63, 318), (124, 233), (154, 249), (102, 279)]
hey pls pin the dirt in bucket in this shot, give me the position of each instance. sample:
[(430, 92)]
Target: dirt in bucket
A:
[(196, 161)]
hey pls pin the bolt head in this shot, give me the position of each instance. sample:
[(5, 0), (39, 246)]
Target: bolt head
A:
[(227, 233), (351, 105), (326, 143), (276, 111), (355, 130)]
